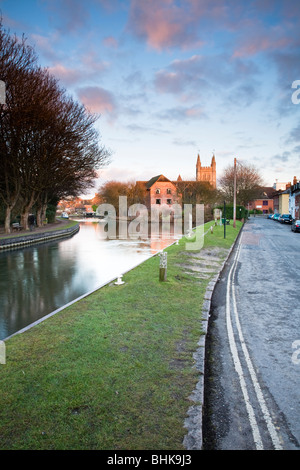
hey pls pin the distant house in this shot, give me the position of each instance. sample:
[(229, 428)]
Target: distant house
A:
[(159, 191), (265, 202), (79, 208), (294, 199), (88, 208), (281, 200), (284, 202)]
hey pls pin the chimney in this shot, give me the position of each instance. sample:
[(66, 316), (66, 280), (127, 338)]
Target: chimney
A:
[(295, 180)]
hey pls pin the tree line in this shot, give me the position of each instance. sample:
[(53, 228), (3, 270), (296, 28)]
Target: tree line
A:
[(249, 186), (49, 146)]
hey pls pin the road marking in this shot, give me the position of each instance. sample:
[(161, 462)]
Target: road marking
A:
[(238, 366), (239, 370)]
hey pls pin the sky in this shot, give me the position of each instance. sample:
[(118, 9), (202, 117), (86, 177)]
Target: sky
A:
[(172, 79)]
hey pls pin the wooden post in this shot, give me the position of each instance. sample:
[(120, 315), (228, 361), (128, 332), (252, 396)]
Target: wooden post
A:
[(163, 266)]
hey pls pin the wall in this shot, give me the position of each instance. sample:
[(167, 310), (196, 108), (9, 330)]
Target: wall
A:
[(163, 195), (284, 203)]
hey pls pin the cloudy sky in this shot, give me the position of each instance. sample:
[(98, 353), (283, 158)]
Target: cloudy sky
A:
[(174, 78)]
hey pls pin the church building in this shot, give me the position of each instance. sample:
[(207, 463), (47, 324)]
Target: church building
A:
[(206, 173), (162, 191)]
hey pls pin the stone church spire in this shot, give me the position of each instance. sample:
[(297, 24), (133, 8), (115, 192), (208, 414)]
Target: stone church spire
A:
[(206, 173), (198, 169)]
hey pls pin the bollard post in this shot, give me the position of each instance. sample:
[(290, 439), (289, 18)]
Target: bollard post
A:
[(119, 282), (2, 353), (162, 266)]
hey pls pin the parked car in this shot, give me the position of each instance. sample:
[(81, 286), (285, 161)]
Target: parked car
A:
[(276, 217), (295, 227), (285, 219), (270, 216)]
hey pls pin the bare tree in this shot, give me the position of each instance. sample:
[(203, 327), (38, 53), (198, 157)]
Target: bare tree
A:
[(15, 57), (110, 192), (196, 192), (48, 142), (248, 183)]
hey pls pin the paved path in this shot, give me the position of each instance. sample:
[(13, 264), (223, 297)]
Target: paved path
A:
[(51, 226), (252, 398)]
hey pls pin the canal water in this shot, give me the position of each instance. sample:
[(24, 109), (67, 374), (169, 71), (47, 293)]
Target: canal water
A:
[(40, 279)]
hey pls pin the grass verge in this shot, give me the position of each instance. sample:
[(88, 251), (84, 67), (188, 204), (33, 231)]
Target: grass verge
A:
[(114, 370)]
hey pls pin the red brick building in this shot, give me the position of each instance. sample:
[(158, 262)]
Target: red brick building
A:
[(265, 203), (159, 190)]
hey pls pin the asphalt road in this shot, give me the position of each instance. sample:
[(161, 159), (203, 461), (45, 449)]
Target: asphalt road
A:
[(252, 376)]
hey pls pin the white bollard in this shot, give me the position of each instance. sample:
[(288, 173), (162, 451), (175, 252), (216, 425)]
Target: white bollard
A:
[(119, 282)]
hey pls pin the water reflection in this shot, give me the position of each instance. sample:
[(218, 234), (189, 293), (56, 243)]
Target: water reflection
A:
[(36, 280)]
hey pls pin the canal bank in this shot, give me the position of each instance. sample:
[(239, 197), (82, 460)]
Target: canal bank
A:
[(40, 278), (119, 368), (59, 229)]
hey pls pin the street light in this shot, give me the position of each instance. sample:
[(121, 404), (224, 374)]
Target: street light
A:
[(234, 195)]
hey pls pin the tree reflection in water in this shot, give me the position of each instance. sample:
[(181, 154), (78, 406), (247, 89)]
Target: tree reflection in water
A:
[(36, 280)]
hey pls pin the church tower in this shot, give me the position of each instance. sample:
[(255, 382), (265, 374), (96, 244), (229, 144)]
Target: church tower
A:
[(198, 169), (206, 173)]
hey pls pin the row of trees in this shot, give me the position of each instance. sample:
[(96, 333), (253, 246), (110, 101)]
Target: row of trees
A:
[(248, 187), (111, 190), (49, 146)]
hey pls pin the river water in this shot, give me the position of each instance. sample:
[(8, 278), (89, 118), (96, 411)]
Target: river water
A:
[(37, 280)]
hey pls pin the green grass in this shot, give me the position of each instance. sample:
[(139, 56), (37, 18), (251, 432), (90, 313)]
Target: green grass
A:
[(114, 370)]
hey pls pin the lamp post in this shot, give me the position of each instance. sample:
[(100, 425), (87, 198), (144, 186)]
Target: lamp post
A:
[(224, 218), (234, 195)]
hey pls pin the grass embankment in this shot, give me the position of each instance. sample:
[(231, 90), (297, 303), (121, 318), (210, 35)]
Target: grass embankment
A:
[(114, 370)]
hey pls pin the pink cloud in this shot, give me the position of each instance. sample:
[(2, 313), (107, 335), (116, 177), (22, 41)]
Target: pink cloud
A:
[(162, 23), (89, 68), (97, 99), (67, 75), (181, 23), (183, 113), (110, 41), (252, 46), (47, 45), (168, 82), (254, 26)]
